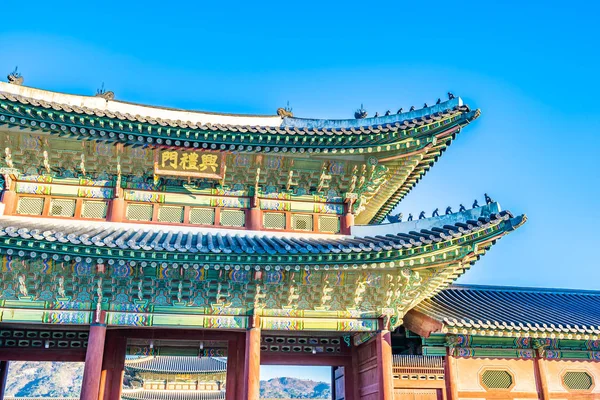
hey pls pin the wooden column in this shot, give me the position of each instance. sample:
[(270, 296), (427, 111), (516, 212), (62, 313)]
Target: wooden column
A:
[(251, 380), (450, 371), (541, 376), (254, 219), (3, 376), (90, 385), (107, 364), (354, 377), (232, 367), (347, 219), (350, 381), (239, 373), (384, 364), (116, 209), (114, 385)]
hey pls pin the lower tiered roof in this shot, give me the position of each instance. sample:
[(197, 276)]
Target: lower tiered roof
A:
[(175, 239), (147, 275), (515, 311)]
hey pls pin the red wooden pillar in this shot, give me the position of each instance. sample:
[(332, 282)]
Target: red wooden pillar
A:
[(254, 219), (350, 381), (232, 367), (113, 367), (3, 376), (354, 377), (451, 389), (347, 219), (541, 375), (116, 210), (239, 372), (9, 199), (90, 386), (383, 341), (251, 380)]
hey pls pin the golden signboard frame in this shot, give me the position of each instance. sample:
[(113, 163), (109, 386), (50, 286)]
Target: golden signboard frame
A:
[(189, 174)]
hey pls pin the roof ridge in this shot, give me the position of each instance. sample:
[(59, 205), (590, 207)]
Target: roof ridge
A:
[(275, 120), (523, 289)]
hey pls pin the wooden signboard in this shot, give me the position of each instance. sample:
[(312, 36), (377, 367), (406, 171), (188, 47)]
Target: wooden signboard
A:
[(189, 163)]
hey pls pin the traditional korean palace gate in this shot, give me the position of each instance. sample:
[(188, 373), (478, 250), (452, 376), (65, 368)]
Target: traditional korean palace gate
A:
[(130, 229)]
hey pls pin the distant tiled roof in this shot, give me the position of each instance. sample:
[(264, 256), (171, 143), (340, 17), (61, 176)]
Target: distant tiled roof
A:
[(171, 395), (177, 365), (527, 311), (197, 240)]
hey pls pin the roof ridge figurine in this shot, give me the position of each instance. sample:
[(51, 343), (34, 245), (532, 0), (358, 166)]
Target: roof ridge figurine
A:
[(15, 77), (361, 113), (105, 94)]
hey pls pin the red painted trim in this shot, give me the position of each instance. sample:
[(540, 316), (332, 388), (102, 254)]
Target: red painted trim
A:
[(30, 354), (117, 212)]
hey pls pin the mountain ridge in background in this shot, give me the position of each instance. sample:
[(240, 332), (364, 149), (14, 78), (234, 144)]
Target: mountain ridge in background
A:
[(55, 379)]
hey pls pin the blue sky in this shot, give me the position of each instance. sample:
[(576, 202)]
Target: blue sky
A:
[(530, 66)]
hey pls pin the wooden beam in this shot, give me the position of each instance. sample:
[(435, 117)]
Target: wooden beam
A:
[(32, 354), (313, 360), (421, 324), (179, 334)]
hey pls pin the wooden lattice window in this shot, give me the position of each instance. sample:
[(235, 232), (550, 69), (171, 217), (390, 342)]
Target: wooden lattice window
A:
[(329, 224), (577, 380), (302, 222), (274, 220), (233, 218), (62, 207), (202, 216), (30, 205), (497, 379), (172, 214), (94, 209), (139, 212)]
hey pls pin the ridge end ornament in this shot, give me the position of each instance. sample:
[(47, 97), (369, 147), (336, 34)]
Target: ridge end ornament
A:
[(361, 113), (15, 77), (285, 112), (105, 94)]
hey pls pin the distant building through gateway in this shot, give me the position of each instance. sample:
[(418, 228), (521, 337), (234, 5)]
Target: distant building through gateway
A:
[(137, 231)]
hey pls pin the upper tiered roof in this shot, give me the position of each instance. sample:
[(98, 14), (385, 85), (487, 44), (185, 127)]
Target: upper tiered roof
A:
[(406, 144)]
